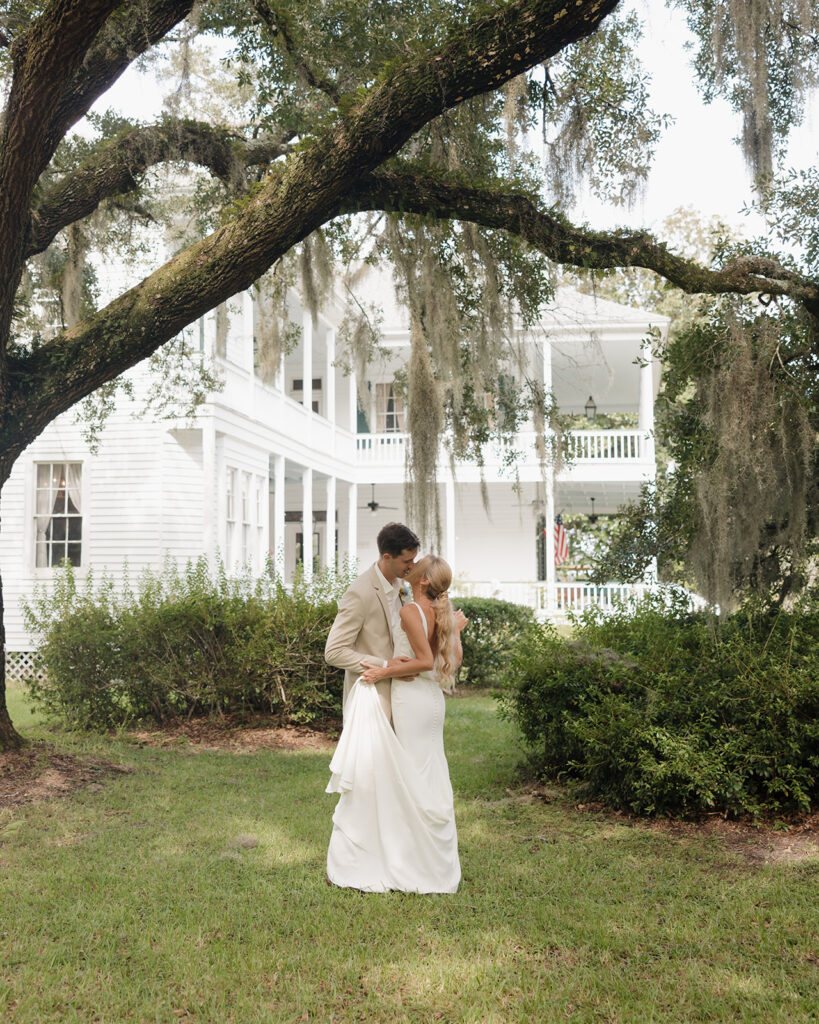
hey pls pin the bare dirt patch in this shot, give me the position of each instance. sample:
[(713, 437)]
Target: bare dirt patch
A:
[(764, 841), (39, 772), (755, 842), (209, 735)]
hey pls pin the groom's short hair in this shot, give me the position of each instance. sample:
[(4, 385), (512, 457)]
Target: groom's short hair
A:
[(394, 538)]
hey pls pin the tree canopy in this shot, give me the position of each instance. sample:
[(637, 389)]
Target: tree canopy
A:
[(383, 130)]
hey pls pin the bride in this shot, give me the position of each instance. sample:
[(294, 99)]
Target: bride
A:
[(394, 825)]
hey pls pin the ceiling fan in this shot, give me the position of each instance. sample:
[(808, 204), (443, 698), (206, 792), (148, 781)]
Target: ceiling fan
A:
[(374, 506)]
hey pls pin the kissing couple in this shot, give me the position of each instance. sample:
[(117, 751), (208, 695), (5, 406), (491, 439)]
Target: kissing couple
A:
[(397, 638)]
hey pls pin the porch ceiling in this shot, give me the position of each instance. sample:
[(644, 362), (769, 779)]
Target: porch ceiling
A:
[(528, 499)]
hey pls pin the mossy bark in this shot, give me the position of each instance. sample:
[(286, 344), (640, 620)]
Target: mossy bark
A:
[(409, 191), (10, 739)]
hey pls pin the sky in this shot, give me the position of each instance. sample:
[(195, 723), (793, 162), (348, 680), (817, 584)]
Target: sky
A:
[(697, 163)]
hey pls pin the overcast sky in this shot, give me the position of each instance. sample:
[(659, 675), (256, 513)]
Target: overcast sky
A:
[(697, 163)]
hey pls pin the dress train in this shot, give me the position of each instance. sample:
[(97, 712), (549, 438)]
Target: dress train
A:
[(394, 825)]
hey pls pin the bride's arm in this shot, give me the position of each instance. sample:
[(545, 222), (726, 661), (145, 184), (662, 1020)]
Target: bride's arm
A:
[(460, 620), (424, 658)]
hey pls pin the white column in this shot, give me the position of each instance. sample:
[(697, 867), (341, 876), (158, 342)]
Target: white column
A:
[(352, 398), (546, 368), (352, 524), (210, 495), (277, 540), (646, 423), (328, 553), (248, 357), (646, 414), (551, 575), (546, 377), (449, 527), (307, 520), (330, 377), (307, 361)]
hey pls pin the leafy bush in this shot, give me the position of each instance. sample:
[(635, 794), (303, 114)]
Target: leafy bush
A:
[(668, 712), (493, 631), (187, 642)]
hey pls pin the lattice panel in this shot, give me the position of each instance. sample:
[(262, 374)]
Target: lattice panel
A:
[(22, 666)]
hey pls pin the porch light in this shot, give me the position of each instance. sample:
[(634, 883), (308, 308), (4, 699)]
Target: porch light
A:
[(593, 517), (590, 409)]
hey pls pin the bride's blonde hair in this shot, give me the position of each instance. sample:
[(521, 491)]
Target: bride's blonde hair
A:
[(439, 574)]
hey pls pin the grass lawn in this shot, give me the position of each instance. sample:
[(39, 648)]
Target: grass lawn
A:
[(135, 901)]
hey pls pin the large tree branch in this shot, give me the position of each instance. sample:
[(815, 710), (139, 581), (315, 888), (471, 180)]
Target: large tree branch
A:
[(44, 59), (138, 26), (309, 192), (61, 65), (441, 196), (115, 169)]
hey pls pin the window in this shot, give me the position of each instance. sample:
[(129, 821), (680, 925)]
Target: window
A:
[(58, 514), (260, 511), (316, 550), (389, 410), (246, 552), (298, 389), (230, 518)]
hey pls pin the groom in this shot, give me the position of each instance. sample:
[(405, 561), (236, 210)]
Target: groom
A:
[(364, 629)]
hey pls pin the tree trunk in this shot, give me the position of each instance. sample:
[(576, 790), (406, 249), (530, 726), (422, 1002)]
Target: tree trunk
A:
[(10, 739)]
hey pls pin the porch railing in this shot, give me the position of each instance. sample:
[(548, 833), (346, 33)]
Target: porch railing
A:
[(557, 600), (381, 448), (607, 445), (584, 446)]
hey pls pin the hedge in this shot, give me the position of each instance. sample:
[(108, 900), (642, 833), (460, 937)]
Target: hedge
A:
[(667, 712), (185, 642), (495, 628)]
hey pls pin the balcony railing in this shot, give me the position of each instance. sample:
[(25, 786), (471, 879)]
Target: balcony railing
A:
[(584, 446), (381, 448), (607, 445)]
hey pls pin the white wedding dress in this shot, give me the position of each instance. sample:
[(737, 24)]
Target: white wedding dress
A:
[(394, 824)]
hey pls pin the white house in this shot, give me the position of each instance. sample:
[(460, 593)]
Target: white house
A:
[(261, 460)]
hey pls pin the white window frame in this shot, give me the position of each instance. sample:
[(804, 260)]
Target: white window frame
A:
[(261, 482), (82, 515), (389, 421), (246, 523), (230, 515)]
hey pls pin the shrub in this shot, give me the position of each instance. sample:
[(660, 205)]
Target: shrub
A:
[(187, 642), (667, 712), (493, 631)]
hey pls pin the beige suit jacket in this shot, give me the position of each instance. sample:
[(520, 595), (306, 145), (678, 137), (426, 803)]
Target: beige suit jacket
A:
[(362, 629)]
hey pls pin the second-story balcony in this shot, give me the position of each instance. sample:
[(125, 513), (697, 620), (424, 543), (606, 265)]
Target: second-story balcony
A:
[(627, 451)]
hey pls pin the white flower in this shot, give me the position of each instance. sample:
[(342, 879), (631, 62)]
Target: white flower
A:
[(405, 589)]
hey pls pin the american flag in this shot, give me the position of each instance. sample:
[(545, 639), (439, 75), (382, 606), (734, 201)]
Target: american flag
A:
[(561, 542)]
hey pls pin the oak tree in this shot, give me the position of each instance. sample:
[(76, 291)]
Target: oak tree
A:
[(398, 126)]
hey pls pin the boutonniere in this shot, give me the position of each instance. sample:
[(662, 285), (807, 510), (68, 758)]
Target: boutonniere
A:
[(405, 590)]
